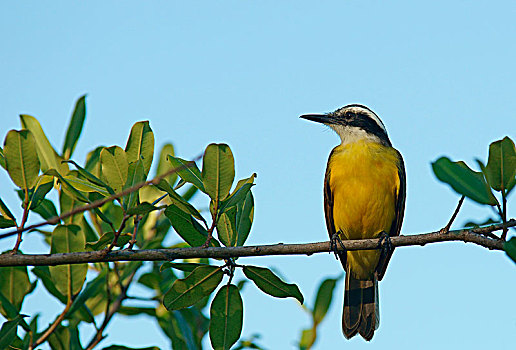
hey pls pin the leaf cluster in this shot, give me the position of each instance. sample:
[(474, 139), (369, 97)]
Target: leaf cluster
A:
[(498, 175), (190, 299)]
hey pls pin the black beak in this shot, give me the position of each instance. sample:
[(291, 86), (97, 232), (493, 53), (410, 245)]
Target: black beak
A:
[(318, 118)]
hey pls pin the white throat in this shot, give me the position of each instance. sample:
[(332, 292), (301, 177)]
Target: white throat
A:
[(351, 134)]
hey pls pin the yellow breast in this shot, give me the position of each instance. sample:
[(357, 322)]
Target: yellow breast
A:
[(364, 182)]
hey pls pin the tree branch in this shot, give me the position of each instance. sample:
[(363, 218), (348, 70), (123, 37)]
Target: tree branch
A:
[(476, 236)]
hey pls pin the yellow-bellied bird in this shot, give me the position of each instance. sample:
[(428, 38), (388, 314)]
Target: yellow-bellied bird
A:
[(364, 197)]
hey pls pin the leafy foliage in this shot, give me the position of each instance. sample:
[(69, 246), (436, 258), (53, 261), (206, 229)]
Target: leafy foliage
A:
[(498, 175), (140, 219)]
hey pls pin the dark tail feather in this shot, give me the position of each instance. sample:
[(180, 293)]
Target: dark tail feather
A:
[(361, 311)]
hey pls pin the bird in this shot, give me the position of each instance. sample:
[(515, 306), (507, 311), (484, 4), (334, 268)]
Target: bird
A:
[(364, 197)]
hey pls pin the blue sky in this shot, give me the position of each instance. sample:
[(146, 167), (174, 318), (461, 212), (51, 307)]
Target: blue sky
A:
[(440, 74)]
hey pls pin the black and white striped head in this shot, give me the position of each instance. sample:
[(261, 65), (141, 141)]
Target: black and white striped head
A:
[(353, 123)]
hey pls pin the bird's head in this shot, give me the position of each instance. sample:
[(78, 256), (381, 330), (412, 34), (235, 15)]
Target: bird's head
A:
[(353, 123)]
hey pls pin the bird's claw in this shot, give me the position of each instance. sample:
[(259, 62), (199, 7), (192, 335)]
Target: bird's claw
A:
[(333, 245), (385, 241)]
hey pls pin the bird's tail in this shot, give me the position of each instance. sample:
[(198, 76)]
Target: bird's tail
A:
[(361, 310)]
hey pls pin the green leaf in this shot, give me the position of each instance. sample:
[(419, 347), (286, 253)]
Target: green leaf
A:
[(187, 170), (189, 193), (46, 209), (243, 187), (188, 291), (510, 248), (15, 284), (187, 227), (142, 209), (140, 145), (43, 186), (60, 339), (92, 289), (323, 299), (187, 267), (75, 127), (107, 238), (226, 228), (307, 339), (5, 222), (91, 177), (46, 153), (84, 185), (33, 326), (226, 318), (464, 180), (177, 329), (135, 175), (196, 321), (68, 278), (8, 331), (43, 273), (271, 284), (68, 203), (93, 161), (121, 347), (21, 158), (114, 167), (218, 170), (501, 166), (244, 218), (165, 166), (5, 212), (179, 201), (67, 187), (90, 234), (7, 309)]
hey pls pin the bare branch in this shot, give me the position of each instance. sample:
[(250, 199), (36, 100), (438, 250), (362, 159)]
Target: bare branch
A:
[(476, 236)]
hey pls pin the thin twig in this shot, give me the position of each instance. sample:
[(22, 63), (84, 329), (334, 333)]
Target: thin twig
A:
[(473, 235), (446, 228), (54, 325), (135, 231), (98, 203), (24, 220), (117, 234), (210, 233)]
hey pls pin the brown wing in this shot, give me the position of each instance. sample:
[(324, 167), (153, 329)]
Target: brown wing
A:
[(328, 209), (398, 219)]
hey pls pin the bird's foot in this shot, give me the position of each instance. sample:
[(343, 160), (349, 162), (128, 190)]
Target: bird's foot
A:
[(334, 240), (385, 242)]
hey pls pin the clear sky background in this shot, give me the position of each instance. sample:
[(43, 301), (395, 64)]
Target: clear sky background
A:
[(440, 74)]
